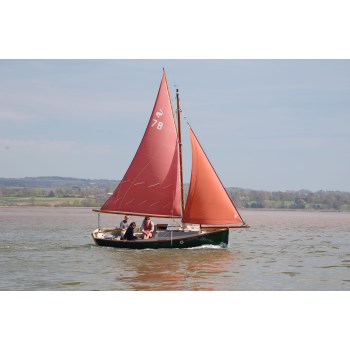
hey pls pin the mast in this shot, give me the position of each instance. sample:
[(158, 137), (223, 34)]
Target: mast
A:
[(180, 151)]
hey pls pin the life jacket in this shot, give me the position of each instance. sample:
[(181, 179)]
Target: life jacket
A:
[(147, 225)]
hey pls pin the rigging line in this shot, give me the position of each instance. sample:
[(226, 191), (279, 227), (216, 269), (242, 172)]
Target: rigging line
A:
[(187, 122), (177, 222), (183, 114)]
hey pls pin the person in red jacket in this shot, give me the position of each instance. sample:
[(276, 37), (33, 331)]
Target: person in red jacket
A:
[(147, 228)]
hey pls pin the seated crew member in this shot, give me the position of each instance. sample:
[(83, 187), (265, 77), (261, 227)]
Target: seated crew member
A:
[(129, 234), (147, 228)]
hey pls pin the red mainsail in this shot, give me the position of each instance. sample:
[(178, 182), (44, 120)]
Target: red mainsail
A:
[(208, 202), (151, 185)]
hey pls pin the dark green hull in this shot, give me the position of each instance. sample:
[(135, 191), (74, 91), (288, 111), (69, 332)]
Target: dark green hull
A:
[(218, 237)]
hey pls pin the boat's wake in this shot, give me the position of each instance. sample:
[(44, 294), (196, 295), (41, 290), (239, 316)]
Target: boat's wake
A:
[(209, 246)]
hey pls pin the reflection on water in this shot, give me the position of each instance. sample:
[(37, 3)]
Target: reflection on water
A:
[(187, 269), (52, 249)]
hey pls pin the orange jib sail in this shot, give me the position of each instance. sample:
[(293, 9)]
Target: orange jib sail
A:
[(208, 202), (151, 184)]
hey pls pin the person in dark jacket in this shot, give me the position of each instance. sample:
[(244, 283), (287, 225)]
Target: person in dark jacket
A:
[(129, 234)]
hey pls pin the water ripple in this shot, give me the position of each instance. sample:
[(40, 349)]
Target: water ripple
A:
[(52, 249)]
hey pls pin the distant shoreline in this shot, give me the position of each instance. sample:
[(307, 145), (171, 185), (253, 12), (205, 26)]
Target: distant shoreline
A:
[(71, 192), (241, 209)]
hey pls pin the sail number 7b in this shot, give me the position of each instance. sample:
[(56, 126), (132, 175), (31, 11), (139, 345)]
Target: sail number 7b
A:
[(156, 122)]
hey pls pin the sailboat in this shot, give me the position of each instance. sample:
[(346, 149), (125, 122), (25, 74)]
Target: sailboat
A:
[(153, 186)]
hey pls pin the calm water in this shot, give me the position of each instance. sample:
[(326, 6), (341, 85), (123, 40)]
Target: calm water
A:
[(52, 249)]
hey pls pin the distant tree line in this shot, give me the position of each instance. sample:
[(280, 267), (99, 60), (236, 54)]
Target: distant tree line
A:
[(96, 194), (84, 197), (54, 182), (83, 192), (304, 199)]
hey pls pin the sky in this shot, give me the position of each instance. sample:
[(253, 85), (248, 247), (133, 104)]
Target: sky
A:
[(264, 124)]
